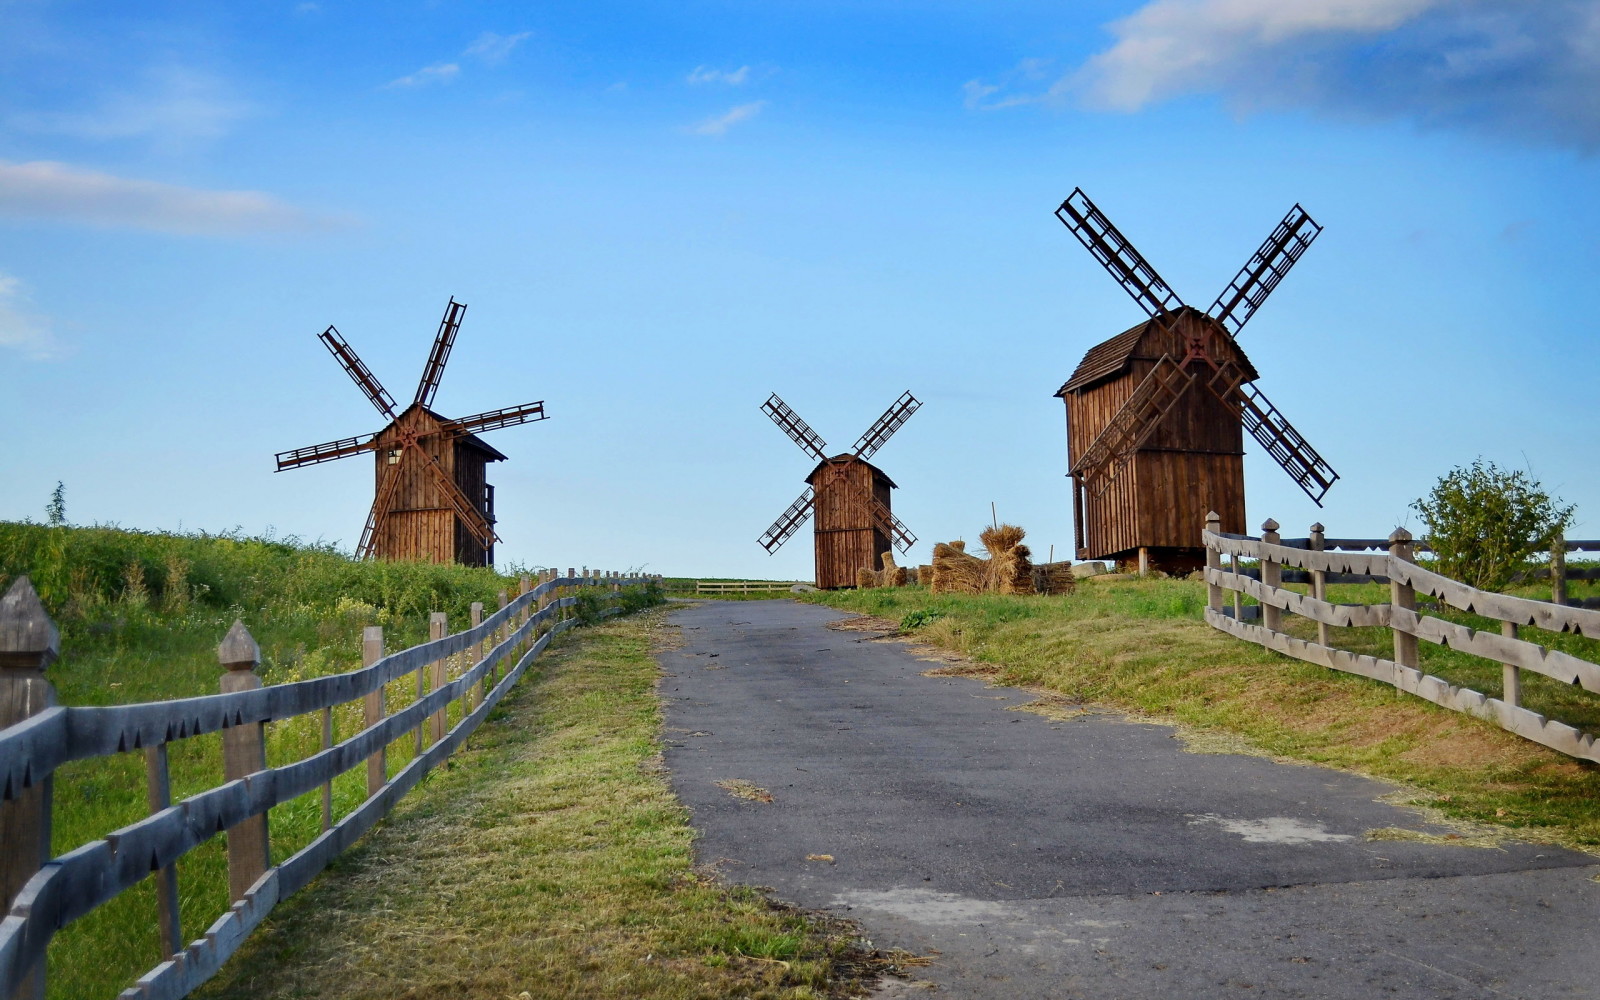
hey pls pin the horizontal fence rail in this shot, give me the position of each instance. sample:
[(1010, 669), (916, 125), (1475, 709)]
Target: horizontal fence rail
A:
[(1406, 579), (44, 893), (746, 586)]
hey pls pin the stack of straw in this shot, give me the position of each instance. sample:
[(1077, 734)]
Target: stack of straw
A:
[(955, 572), (1010, 567)]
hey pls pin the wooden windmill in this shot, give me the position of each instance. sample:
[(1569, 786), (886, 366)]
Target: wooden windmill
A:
[(434, 502), (1156, 414), (848, 495)]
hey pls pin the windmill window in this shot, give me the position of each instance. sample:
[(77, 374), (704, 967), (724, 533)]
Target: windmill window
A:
[(394, 456)]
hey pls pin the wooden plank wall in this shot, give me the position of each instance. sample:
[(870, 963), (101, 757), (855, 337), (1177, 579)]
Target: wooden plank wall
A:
[(846, 539)]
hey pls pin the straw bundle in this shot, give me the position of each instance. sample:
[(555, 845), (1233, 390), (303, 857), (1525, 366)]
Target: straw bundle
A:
[(925, 574), (956, 572), (1010, 568), (866, 579), (1054, 578), (890, 576)]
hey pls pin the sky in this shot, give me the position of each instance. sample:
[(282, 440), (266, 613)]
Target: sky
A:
[(660, 214)]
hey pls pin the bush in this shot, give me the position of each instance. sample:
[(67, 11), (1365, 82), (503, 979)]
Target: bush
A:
[(1483, 522)]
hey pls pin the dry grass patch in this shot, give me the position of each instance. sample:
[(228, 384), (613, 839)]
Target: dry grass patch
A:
[(549, 859)]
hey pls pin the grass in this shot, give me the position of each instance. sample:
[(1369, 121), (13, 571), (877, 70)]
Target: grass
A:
[(550, 859), (1141, 646), (140, 616)]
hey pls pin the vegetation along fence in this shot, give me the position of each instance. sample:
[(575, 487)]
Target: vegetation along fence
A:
[(1324, 562), (44, 893)]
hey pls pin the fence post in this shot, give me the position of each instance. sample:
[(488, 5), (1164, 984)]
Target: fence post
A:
[(1213, 562), (378, 763), (438, 625), (500, 636), (29, 643), (572, 574), (1510, 674), (1558, 569), (1319, 580), (1402, 596), (158, 796), (478, 689), (244, 752), (1271, 577)]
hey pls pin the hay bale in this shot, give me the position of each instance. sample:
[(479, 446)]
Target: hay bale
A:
[(1054, 578), (925, 574), (1010, 569), (901, 577), (956, 572), (866, 579)]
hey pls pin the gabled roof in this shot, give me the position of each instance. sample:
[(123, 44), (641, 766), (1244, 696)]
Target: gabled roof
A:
[(848, 457), (1110, 358), (469, 440)]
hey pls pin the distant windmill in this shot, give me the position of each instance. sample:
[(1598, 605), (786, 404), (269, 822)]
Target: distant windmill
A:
[(848, 495), (1156, 414), (433, 502)]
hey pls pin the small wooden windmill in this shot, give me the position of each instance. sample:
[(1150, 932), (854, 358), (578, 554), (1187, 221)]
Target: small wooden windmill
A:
[(1156, 414), (848, 495), (434, 502)]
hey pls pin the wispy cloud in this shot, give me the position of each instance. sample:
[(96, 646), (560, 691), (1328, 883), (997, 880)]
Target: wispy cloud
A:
[(1509, 67), (437, 73), (21, 329), (719, 124), (708, 74), (173, 104), (59, 191), (493, 49)]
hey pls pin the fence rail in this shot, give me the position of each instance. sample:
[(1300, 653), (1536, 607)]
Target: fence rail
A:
[(44, 893), (1406, 579), (746, 586)]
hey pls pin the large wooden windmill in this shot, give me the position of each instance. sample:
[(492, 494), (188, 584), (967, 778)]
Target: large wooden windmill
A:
[(848, 495), (1156, 414), (434, 502)]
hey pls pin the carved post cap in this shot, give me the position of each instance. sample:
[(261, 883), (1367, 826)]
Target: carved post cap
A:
[(1400, 536), (1269, 525), (438, 617), (238, 649), (1317, 529), (28, 638)]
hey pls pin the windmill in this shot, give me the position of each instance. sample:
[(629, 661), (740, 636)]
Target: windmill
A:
[(1155, 415), (433, 499), (848, 495)]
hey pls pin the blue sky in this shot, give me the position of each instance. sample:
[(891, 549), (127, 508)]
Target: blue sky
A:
[(660, 214)]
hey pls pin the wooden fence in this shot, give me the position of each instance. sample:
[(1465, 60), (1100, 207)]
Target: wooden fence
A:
[(44, 893), (746, 586), (1406, 579)]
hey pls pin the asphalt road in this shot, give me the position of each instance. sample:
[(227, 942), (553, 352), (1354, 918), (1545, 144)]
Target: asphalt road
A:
[(1086, 858)]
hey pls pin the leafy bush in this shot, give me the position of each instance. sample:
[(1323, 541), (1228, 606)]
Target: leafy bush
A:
[(919, 618), (1483, 522)]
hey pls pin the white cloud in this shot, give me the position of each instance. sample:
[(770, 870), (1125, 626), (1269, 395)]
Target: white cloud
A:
[(731, 77), (493, 48), (23, 330), (168, 103), (720, 124), (59, 191), (437, 73)]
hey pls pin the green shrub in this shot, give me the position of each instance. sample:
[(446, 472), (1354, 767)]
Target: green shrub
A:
[(1483, 522)]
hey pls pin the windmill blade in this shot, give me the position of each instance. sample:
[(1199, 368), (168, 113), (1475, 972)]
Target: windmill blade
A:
[(358, 372), (788, 522), (884, 427), (798, 430), (1117, 255), (470, 515), (379, 511), (1309, 470), (1265, 268), (326, 452), (442, 342), (898, 533), (1151, 401), (492, 420)]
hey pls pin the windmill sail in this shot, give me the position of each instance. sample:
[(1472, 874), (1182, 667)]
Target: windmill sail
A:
[(788, 522), (1265, 268), (798, 430), (884, 427), (491, 420), (358, 372), (890, 525), (1117, 255), (1136, 420), (326, 452), (1285, 444), (443, 341)]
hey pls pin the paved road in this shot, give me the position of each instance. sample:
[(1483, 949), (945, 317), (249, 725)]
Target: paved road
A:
[(1087, 858)]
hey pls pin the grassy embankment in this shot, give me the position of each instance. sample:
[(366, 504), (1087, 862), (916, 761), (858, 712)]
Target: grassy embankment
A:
[(1141, 646), (140, 616)]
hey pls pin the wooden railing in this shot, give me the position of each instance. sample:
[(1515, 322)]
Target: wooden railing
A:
[(43, 894), (746, 586), (1401, 616)]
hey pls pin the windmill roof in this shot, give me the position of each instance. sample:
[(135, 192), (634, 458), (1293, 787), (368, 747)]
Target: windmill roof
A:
[(1111, 357), (470, 440), (848, 457)]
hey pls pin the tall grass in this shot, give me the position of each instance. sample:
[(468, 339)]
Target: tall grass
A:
[(140, 615)]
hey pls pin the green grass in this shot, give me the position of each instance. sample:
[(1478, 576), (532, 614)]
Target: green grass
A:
[(1142, 646), (550, 859), (140, 617)]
